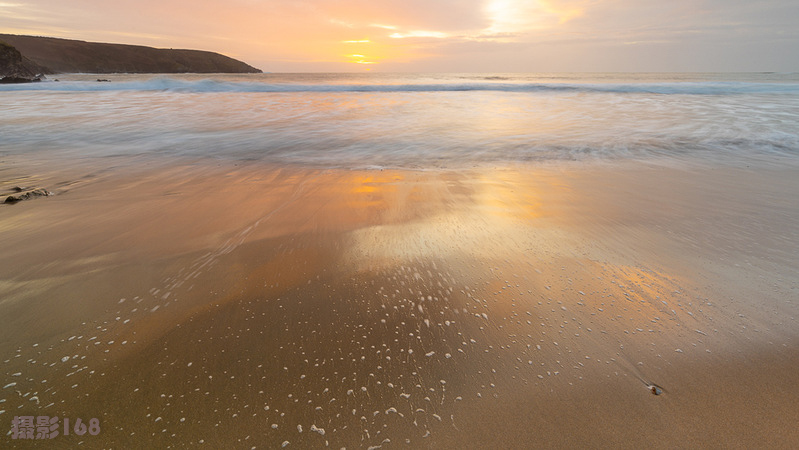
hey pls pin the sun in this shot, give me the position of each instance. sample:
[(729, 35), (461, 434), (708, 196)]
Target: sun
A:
[(519, 16)]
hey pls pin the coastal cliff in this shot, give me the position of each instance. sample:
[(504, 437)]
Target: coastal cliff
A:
[(15, 66), (54, 55)]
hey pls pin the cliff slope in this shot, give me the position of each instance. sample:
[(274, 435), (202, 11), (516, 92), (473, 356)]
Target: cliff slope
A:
[(71, 56), (13, 64)]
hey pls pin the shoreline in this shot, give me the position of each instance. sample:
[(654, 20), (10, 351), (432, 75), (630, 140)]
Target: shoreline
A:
[(554, 292)]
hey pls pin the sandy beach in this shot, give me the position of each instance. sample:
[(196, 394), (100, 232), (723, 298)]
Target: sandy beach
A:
[(186, 302)]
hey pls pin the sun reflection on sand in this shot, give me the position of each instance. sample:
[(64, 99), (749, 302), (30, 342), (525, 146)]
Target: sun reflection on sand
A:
[(490, 215)]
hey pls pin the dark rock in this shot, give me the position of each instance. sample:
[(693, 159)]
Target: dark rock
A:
[(15, 68), (26, 195), (19, 80)]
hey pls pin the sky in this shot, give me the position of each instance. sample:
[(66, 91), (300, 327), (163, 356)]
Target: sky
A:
[(440, 35)]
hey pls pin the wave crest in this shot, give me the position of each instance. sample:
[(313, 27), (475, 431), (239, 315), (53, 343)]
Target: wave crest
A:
[(168, 84)]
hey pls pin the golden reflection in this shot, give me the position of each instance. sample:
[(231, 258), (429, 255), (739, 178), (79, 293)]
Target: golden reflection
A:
[(510, 194), (367, 185), (383, 181), (646, 295), (441, 216)]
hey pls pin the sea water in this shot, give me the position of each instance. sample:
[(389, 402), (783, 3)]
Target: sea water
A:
[(409, 120)]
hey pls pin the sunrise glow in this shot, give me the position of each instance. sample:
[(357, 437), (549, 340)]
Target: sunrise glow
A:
[(415, 35)]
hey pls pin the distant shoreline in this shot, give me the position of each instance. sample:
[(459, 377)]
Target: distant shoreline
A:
[(49, 55)]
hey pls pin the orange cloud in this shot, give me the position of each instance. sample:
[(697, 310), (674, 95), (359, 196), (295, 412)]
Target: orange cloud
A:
[(419, 35)]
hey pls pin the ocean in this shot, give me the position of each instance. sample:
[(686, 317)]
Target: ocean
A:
[(410, 120)]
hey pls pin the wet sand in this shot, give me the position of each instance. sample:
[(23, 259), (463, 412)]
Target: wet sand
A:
[(242, 306)]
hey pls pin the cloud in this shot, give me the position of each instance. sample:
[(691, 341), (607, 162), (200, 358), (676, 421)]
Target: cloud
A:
[(424, 35), (419, 33), (439, 15)]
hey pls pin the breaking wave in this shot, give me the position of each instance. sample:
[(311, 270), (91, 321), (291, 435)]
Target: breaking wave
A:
[(169, 84)]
